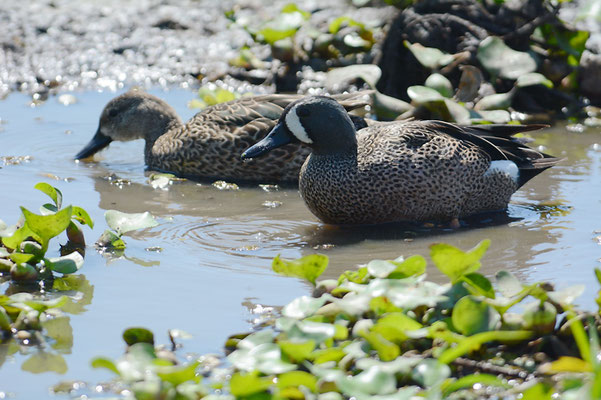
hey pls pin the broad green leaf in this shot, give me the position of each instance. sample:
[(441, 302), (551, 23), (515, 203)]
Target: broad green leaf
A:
[(255, 339), (13, 241), (478, 284), (498, 101), (82, 216), (123, 222), (308, 267), (492, 116), (179, 374), (4, 320), (66, 264), (470, 380), (387, 351), (248, 384), (429, 57), (572, 42), (533, 78), (297, 351), (393, 326), (110, 240), (380, 268), (326, 355), (566, 364), (43, 305), (372, 381), (539, 391), (308, 330), (430, 372), (455, 263), (102, 362), (297, 378), (336, 77), (441, 84), (337, 23), (132, 336), (52, 192), (412, 266), (508, 284), (19, 258), (48, 226), (400, 365), (303, 307), (291, 8), (423, 94), (474, 342), (471, 316), (59, 329), (502, 61), (388, 107)]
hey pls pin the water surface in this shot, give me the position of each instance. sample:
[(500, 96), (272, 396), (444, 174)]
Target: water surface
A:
[(207, 264)]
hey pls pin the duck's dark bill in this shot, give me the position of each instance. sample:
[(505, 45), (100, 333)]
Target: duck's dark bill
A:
[(98, 142), (278, 136)]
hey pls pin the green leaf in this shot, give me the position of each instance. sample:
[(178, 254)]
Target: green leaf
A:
[(540, 391), (52, 192), (66, 264), (59, 329), (13, 241), (4, 320), (123, 222), (498, 101), (471, 316), (502, 61), (478, 284), (393, 326), (102, 362), (566, 364), (303, 307), (43, 305), (372, 381), (82, 216), (470, 380), (292, 8), (430, 372), (45, 362), (412, 266), (110, 240), (337, 23), (455, 263), (327, 355), (48, 226), (308, 267), (296, 379), (179, 374), (441, 84), (19, 258), (474, 342), (242, 385), (423, 94), (132, 336), (297, 351), (387, 351), (508, 284), (533, 78), (336, 77), (429, 57)]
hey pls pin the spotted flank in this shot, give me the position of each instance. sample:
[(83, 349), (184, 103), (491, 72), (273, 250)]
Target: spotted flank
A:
[(504, 167), (403, 171)]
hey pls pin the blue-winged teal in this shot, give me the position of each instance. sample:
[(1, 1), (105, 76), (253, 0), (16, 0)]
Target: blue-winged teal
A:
[(401, 171), (209, 145)]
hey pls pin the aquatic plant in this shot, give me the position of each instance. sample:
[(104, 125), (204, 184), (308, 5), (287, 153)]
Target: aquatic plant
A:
[(384, 331), (24, 245), (121, 223)]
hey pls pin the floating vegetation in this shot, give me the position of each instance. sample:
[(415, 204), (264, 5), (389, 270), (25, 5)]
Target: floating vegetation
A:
[(384, 331)]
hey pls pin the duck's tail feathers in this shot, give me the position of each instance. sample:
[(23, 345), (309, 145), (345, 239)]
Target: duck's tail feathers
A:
[(535, 167)]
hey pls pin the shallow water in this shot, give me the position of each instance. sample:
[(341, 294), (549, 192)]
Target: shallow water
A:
[(207, 264)]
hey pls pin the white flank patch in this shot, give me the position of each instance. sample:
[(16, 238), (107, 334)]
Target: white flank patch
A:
[(504, 167), (296, 127)]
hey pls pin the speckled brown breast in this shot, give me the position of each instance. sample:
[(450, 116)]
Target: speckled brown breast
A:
[(409, 173)]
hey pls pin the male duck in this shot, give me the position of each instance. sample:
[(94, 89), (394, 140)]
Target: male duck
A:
[(401, 171), (208, 146)]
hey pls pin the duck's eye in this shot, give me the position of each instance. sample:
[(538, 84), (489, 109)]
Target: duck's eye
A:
[(113, 112), (302, 112)]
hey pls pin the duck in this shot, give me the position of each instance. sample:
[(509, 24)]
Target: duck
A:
[(402, 171), (209, 144)]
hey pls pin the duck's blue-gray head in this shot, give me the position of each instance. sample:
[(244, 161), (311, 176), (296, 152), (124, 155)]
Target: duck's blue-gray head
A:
[(317, 121)]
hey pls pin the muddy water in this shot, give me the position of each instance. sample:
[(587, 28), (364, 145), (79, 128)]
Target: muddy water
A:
[(206, 267)]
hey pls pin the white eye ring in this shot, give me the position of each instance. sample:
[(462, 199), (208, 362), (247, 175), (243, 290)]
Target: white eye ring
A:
[(296, 127)]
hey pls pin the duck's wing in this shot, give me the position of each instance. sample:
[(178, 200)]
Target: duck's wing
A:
[(498, 143)]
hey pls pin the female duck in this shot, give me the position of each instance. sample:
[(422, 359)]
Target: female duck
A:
[(208, 146), (401, 171)]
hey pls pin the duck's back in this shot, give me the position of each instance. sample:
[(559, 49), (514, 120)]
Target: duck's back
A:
[(210, 144), (403, 171)]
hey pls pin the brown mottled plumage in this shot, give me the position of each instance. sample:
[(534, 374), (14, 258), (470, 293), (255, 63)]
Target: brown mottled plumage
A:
[(402, 171), (210, 143)]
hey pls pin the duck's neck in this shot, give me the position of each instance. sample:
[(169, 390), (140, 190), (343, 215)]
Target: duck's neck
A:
[(156, 125)]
